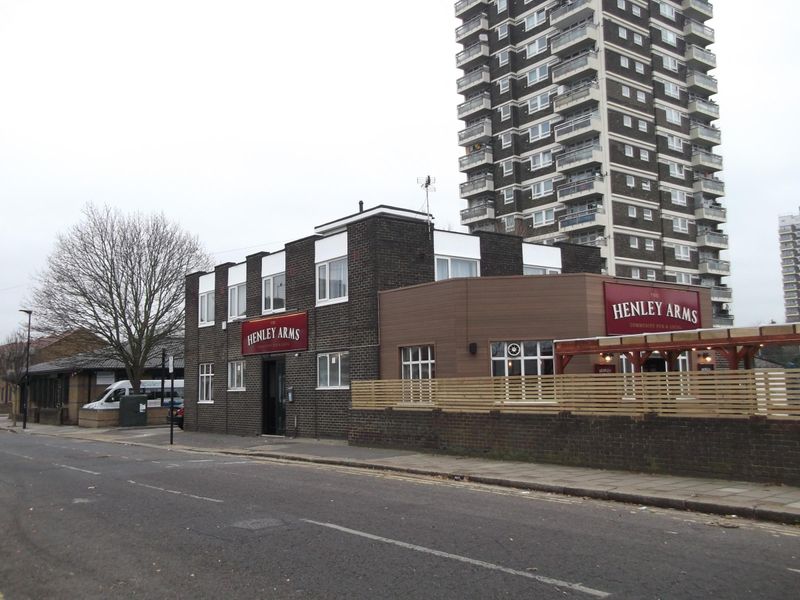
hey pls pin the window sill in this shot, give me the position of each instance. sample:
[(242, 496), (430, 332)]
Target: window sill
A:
[(321, 389), (234, 319), (273, 312), (334, 301), (206, 324), (205, 402), (237, 389)]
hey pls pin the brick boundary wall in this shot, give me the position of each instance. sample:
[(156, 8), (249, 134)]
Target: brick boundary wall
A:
[(753, 449)]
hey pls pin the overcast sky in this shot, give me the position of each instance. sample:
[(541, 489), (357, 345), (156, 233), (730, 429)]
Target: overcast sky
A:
[(250, 122)]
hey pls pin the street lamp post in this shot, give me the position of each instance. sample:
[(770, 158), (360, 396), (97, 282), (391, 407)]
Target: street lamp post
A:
[(27, 367)]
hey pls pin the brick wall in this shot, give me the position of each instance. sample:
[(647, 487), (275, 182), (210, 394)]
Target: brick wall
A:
[(576, 258), (501, 254), (753, 450)]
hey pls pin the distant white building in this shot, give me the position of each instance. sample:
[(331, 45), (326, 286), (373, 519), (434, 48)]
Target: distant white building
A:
[(789, 230)]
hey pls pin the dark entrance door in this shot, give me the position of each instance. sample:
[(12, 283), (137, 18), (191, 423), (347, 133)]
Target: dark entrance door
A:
[(274, 398)]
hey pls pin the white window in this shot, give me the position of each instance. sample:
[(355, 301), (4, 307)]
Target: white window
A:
[(505, 112), (505, 84), (508, 167), (537, 46), (206, 311), (502, 57), (626, 91), (236, 376), (670, 62), (638, 39), (333, 370), (544, 217), (636, 10), (417, 362), (539, 102), (666, 10), (643, 126), (502, 5), (237, 301), (538, 74), (680, 224), (644, 154), (505, 140), (673, 116), (508, 223), (639, 68), (651, 274), (672, 89), (542, 188), (623, 33), (669, 37), (682, 252), (627, 121), (678, 197), (632, 211), (273, 293), (647, 214), (676, 170), (628, 150), (205, 390), (630, 181), (535, 19), (522, 358), (621, 4), (674, 143), (539, 131), (646, 184), (502, 32), (641, 96), (541, 159), (448, 267), (332, 281), (649, 245), (508, 195), (685, 278), (624, 62), (635, 273)]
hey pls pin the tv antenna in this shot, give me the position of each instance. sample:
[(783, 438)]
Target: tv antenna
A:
[(426, 183)]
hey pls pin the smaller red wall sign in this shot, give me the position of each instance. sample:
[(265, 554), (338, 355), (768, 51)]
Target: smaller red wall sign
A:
[(281, 333)]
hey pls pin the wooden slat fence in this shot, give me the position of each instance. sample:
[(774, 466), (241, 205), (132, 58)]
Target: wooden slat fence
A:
[(771, 393)]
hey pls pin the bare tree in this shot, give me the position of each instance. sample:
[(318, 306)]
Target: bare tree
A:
[(12, 364), (120, 277)]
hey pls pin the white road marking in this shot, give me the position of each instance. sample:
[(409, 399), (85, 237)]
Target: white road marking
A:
[(176, 492), (77, 469), (479, 563), (17, 455), (794, 570), (198, 460)]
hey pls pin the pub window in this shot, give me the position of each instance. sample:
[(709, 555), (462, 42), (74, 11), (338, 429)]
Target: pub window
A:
[(448, 267), (237, 301), (332, 281), (273, 293), (236, 376), (522, 358), (333, 370), (206, 387), (206, 309), (417, 362)]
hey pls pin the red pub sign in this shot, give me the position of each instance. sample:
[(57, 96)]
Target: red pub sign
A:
[(640, 309), (282, 333)]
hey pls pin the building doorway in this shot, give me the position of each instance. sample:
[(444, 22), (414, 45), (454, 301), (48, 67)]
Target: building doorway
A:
[(274, 397)]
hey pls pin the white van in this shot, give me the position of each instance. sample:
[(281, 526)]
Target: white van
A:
[(109, 399)]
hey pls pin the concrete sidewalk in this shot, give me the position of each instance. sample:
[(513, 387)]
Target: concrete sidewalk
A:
[(778, 503)]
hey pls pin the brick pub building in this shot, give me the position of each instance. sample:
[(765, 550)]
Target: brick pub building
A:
[(272, 343)]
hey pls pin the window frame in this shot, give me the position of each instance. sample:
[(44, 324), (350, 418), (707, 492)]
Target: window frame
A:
[(327, 298), (340, 355), (449, 260), (236, 369), (273, 295), (205, 371), (238, 290), (205, 305)]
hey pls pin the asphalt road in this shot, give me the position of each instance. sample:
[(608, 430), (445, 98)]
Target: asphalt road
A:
[(81, 519)]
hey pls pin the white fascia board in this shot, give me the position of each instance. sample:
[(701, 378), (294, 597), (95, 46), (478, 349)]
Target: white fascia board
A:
[(541, 256), (237, 274), (273, 264), (206, 283), (332, 246), (460, 245)]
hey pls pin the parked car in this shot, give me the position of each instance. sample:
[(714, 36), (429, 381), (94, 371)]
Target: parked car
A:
[(177, 416), (109, 398)]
